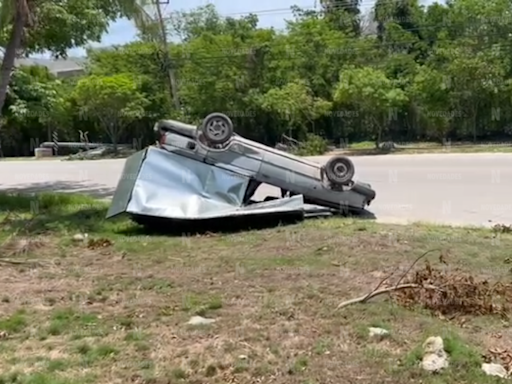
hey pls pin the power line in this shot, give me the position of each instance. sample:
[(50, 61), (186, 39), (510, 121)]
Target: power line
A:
[(364, 5), (273, 11), (289, 51), (289, 46), (444, 26)]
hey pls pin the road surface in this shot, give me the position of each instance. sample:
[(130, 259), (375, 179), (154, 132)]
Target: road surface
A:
[(460, 189)]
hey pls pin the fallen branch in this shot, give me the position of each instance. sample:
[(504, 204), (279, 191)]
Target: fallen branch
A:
[(413, 264), (21, 262), (367, 297)]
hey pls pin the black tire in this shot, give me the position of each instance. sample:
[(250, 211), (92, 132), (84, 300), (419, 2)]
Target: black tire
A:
[(217, 128), (340, 170)]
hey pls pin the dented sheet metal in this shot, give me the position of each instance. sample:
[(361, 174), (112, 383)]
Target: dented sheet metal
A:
[(159, 183)]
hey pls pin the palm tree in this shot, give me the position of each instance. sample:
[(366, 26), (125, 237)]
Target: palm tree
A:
[(18, 15)]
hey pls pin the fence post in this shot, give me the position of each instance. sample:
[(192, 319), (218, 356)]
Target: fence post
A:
[(55, 137)]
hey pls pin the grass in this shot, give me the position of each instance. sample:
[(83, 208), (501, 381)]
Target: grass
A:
[(95, 314), (367, 148)]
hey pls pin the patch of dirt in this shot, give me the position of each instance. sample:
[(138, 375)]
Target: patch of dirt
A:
[(18, 246), (272, 296)]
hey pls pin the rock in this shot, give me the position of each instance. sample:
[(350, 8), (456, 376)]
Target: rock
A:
[(495, 370), (80, 237), (377, 332), (199, 320), (434, 357), (43, 152), (388, 146)]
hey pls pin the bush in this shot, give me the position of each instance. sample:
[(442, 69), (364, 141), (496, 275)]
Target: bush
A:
[(313, 146)]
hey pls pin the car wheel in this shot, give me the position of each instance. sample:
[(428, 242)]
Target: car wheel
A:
[(340, 170), (217, 128)]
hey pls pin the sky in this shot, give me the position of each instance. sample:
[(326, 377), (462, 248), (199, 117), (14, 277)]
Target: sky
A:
[(271, 13)]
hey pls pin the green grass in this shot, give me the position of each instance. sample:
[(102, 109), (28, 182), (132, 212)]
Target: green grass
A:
[(367, 148), (88, 314)]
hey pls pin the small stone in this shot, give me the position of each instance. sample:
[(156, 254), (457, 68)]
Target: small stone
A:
[(495, 370), (435, 357), (80, 237), (199, 320), (380, 332), (243, 357), (434, 363)]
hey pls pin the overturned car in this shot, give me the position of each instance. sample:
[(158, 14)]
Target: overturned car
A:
[(209, 172)]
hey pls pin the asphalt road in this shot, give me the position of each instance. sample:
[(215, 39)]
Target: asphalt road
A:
[(464, 189)]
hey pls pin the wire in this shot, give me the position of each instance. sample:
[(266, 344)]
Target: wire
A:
[(289, 46), (272, 11), (444, 26), (289, 10), (364, 5), (214, 61)]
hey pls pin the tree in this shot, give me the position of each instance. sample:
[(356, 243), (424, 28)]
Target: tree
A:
[(37, 26), (431, 72), (295, 104), (430, 92), (113, 101), (343, 14), (373, 93), (36, 96)]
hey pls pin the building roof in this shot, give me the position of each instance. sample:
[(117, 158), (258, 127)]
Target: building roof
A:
[(57, 66)]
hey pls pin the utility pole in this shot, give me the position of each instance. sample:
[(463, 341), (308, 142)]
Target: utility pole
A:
[(173, 86)]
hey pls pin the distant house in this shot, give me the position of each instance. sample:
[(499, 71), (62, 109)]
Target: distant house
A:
[(62, 68)]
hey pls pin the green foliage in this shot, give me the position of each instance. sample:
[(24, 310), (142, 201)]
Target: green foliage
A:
[(114, 101), (36, 96), (314, 145), (60, 25), (428, 73)]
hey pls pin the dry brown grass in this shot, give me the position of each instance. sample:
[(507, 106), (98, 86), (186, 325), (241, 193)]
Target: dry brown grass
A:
[(114, 308)]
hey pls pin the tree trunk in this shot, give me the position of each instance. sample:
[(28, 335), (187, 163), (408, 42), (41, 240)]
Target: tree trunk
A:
[(378, 139), (474, 121), (378, 136), (114, 136), (10, 54)]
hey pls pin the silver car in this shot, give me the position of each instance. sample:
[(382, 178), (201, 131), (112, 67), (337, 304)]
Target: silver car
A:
[(214, 142)]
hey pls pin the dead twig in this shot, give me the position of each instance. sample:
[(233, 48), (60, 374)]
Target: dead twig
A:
[(397, 286), (367, 297), (413, 264), (21, 262), (400, 279)]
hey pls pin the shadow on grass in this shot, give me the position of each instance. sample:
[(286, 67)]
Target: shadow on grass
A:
[(162, 226), (51, 213), (63, 213), (95, 190)]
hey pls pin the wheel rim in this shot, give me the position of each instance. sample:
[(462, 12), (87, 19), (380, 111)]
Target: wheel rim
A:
[(340, 169), (217, 129)]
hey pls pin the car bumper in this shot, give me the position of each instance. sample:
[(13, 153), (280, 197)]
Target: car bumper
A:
[(365, 190)]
